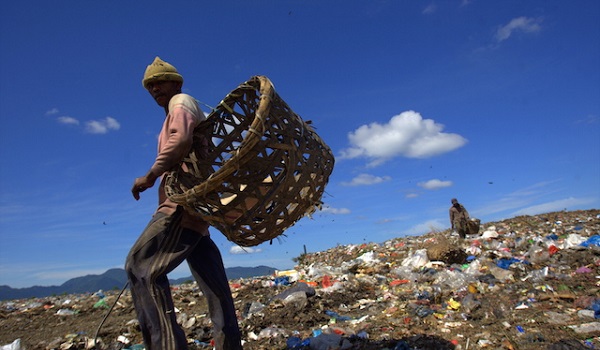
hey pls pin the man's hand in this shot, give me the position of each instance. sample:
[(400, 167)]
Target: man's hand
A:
[(142, 183)]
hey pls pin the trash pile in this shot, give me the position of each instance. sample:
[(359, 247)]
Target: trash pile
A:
[(531, 282)]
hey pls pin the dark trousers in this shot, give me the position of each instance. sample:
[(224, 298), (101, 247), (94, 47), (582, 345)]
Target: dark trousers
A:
[(159, 250)]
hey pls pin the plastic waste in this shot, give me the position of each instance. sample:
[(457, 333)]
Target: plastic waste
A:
[(368, 258), (282, 281), (402, 345), (490, 232), (298, 287), (398, 282), (538, 254), (584, 269), (596, 307), (453, 279), (566, 344), (362, 335), (470, 303), (473, 268), (537, 275), (101, 304), (405, 273), (317, 272), (585, 328), (326, 282), (65, 312), (255, 307), (418, 259), (585, 314), (337, 316), (593, 240), (293, 343), (271, 332), (505, 263), (453, 304), (501, 274), (557, 318), (15, 345), (297, 343), (419, 310), (329, 341), (297, 300), (573, 240)]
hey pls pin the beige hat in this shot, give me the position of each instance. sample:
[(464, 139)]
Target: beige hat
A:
[(161, 70)]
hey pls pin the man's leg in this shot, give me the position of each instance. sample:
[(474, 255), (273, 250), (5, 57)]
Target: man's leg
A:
[(156, 253), (207, 268), (462, 229)]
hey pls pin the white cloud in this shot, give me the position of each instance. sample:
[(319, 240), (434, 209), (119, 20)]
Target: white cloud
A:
[(336, 211), (430, 9), (570, 203), (590, 119), (426, 227), (52, 111), (384, 221), (366, 179), (406, 134), (522, 24), (521, 202), (102, 126), (519, 198), (68, 120), (236, 249), (434, 184), (411, 195)]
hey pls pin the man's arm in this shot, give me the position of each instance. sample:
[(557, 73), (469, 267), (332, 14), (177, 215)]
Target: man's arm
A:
[(173, 149), (178, 141)]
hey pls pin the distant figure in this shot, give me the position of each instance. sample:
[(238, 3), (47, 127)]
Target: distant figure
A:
[(459, 217)]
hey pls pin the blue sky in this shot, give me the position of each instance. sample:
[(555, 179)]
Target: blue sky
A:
[(496, 103)]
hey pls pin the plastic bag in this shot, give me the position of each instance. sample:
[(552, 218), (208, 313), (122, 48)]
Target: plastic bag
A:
[(418, 259)]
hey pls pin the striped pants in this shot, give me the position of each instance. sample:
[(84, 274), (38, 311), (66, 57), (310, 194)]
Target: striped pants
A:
[(162, 247)]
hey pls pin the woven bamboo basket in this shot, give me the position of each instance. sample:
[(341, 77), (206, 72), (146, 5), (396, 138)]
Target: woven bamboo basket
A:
[(255, 167)]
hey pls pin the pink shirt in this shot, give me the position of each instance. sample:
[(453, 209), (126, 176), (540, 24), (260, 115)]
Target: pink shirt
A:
[(174, 142)]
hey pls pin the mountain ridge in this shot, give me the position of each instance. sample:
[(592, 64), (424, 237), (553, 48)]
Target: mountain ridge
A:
[(112, 279)]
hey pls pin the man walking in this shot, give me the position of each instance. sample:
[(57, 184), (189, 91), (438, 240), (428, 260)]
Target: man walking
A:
[(459, 218), (173, 235)]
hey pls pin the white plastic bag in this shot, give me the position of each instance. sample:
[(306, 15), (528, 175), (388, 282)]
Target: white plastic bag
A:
[(418, 259), (16, 345)]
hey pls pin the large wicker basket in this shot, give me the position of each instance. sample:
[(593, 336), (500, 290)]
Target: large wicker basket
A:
[(255, 167)]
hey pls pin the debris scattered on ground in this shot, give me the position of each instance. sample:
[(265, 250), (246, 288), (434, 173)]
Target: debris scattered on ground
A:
[(531, 282)]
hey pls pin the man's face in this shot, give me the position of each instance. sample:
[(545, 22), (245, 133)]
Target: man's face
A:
[(162, 91)]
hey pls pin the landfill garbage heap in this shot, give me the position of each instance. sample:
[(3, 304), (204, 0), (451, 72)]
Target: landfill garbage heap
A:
[(531, 282)]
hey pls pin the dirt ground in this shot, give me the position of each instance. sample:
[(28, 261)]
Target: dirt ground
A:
[(371, 308)]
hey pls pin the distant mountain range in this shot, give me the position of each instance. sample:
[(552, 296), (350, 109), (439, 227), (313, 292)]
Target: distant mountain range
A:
[(112, 279)]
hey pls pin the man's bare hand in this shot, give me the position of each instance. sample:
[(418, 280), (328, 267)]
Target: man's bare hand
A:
[(141, 184)]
